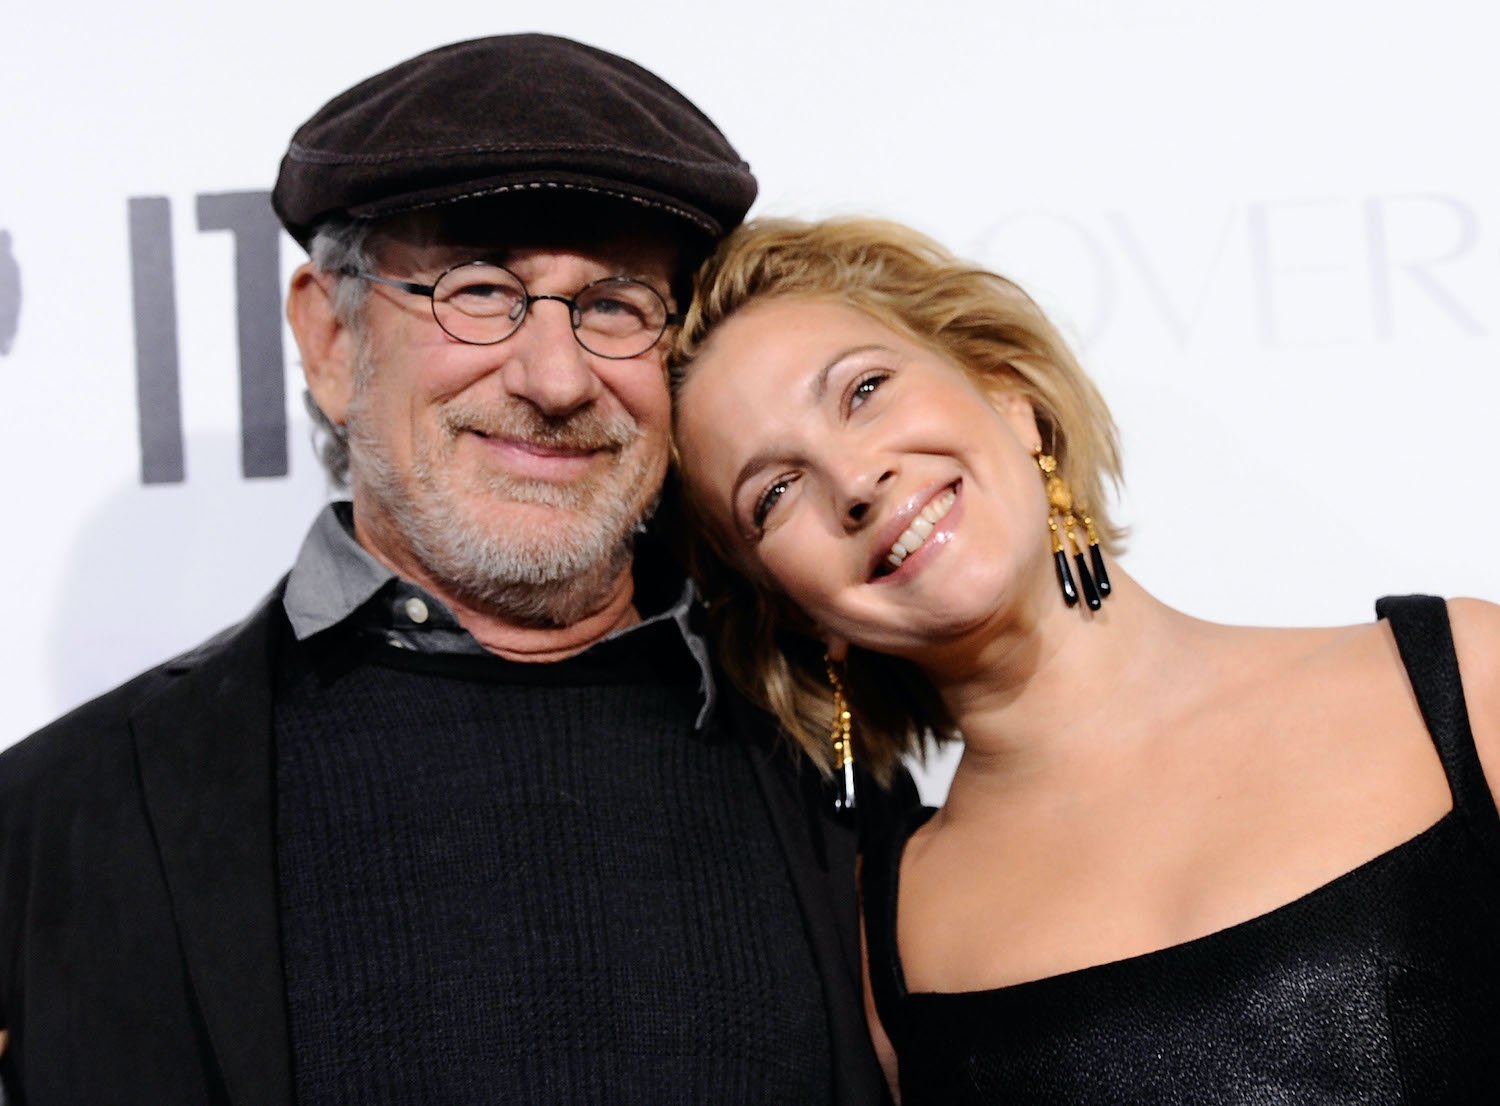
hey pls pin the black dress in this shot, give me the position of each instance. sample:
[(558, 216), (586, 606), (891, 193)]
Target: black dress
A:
[(1382, 986)]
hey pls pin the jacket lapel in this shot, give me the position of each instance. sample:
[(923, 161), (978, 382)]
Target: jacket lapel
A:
[(204, 746)]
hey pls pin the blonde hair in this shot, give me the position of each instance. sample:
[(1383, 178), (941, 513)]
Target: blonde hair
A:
[(978, 320)]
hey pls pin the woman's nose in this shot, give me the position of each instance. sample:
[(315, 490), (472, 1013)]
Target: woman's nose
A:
[(860, 489)]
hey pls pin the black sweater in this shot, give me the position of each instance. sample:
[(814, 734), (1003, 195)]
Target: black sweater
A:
[(508, 882)]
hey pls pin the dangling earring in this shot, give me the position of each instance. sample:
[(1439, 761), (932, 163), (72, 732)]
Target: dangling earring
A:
[(1096, 556), (842, 737), (1060, 505)]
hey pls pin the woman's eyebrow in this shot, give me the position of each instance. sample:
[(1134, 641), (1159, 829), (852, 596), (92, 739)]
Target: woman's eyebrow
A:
[(819, 385)]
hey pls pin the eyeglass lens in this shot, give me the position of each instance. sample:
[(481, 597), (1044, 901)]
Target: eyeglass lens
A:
[(483, 303)]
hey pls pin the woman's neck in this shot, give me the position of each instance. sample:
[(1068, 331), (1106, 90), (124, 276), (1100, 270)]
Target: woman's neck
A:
[(1049, 692)]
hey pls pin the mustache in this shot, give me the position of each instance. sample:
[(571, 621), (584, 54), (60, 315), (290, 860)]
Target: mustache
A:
[(584, 430)]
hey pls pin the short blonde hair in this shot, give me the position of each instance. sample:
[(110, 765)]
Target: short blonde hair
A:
[(978, 320)]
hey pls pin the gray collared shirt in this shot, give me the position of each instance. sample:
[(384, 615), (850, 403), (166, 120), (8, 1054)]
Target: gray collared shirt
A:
[(336, 581)]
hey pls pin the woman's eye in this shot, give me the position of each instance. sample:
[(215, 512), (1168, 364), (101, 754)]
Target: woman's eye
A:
[(768, 500), (865, 388)]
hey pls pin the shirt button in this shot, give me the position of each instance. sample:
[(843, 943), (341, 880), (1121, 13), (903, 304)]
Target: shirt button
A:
[(416, 610)]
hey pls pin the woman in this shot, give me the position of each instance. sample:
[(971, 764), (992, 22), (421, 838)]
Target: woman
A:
[(1179, 862)]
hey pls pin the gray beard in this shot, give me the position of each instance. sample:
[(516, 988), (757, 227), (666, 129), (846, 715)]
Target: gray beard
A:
[(549, 576)]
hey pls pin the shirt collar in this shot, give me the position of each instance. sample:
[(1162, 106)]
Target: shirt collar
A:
[(334, 580), (333, 575)]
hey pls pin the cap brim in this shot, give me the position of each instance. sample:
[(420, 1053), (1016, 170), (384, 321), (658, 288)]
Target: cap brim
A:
[(573, 188)]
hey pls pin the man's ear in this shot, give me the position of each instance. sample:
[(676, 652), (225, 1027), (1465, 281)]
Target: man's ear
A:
[(326, 344)]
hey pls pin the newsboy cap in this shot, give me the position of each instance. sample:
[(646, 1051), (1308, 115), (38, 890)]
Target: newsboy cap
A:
[(513, 115)]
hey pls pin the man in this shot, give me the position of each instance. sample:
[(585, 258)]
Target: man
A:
[(460, 813)]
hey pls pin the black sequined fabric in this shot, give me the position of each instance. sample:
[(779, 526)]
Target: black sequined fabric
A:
[(1382, 986)]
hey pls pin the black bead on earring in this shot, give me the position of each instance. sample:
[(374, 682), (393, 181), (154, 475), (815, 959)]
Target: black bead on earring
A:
[(1094, 586)]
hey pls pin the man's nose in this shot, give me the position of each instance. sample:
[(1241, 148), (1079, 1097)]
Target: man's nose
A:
[(544, 363)]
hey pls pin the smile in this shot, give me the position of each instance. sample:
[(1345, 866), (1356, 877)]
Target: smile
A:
[(921, 528), (541, 449), (545, 461)]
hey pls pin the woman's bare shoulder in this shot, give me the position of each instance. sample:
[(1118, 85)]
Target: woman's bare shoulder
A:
[(1478, 622), (1476, 638)]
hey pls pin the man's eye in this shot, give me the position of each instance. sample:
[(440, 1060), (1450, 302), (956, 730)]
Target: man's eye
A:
[(614, 315), (865, 388), (487, 299), (613, 306), (768, 499)]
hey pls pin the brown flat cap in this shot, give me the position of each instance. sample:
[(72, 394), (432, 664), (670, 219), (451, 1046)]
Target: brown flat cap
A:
[(524, 115)]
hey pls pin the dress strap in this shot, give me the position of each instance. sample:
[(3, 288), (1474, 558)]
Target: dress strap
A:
[(880, 872), (1425, 640)]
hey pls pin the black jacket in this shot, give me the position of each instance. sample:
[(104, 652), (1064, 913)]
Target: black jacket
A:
[(139, 949)]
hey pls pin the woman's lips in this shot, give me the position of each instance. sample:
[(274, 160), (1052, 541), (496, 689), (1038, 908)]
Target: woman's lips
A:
[(921, 528)]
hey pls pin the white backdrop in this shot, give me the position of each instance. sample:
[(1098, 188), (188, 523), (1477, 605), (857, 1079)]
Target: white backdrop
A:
[(1272, 229)]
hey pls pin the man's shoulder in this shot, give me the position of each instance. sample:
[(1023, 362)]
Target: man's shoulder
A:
[(98, 730)]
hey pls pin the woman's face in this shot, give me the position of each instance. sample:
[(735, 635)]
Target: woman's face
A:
[(866, 477)]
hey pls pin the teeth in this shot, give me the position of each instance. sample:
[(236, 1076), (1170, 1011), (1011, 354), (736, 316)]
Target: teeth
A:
[(921, 527)]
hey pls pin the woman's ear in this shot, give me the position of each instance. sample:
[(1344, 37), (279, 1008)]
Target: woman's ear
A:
[(1017, 411), (837, 647), (327, 345), (1004, 390)]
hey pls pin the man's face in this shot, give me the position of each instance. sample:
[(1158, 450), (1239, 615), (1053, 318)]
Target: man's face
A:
[(510, 476)]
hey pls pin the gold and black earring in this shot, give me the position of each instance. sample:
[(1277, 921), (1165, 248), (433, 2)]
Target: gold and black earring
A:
[(842, 737), (1063, 516)]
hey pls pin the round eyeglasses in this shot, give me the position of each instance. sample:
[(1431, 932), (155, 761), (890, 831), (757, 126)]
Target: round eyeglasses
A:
[(480, 303)]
